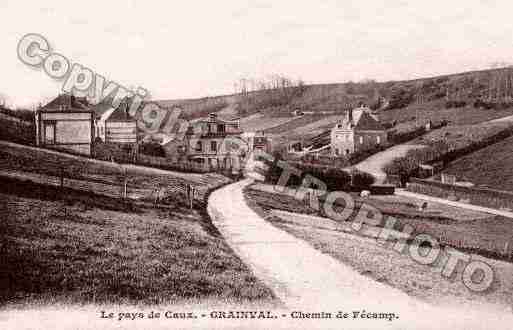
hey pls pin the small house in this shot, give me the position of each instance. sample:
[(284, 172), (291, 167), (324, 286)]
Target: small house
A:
[(114, 124), (66, 123), (359, 130)]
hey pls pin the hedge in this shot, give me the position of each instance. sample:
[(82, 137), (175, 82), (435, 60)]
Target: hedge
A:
[(479, 196), (335, 178)]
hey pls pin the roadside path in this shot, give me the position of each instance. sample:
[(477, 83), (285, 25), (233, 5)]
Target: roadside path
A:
[(402, 192), (502, 120)]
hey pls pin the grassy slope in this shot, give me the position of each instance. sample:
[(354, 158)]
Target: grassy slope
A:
[(491, 166), (41, 161), (463, 135), (486, 236), (382, 263), (75, 247)]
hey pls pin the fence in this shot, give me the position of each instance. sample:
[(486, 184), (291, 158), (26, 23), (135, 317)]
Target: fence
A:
[(478, 196), (164, 163), (190, 166)]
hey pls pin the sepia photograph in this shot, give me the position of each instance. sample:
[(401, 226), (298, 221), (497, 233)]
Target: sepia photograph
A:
[(256, 164)]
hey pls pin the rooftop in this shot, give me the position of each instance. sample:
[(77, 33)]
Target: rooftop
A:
[(69, 103)]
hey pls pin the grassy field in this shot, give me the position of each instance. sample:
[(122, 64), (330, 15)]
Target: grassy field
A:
[(295, 123), (75, 247), (436, 111), (381, 262), (491, 166), (261, 122), (19, 158), (486, 235), (462, 135)]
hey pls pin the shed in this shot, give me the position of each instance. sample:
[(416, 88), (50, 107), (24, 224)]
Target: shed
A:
[(65, 123)]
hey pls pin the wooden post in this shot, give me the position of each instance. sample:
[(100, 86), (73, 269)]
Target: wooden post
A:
[(125, 188), (191, 195), (62, 177), (125, 182), (187, 193)]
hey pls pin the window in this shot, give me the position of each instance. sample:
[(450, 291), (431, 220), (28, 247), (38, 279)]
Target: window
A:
[(49, 137), (220, 128), (213, 146), (378, 139), (361, 139), (199, 146)]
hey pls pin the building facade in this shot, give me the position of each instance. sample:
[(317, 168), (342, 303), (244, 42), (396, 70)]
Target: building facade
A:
[(257, 142), (115, 125), (208, 142), (359, 130), (66, 123)]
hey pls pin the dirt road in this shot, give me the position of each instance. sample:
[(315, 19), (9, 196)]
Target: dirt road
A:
[(302, 277), (375, 163), (504, 213), (307, 280)]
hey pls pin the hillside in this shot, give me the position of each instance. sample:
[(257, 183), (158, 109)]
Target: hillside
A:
[(76, 247), (71, 232), (491, 166), (462, 99)]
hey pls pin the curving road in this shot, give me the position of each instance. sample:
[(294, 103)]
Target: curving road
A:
[(375, 163), (301, 277), (307, 280)]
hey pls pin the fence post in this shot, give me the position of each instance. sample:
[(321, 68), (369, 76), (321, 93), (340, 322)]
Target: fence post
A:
[(62, 176), (125, 183), (124, 173), (192, 196)]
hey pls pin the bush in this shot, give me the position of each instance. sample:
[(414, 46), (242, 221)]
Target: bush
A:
[(334, 178), (400, 98), (439, 151), (152, 149), (112, 151), (455, 104), (362, 180), (404, 167), (397, 138)]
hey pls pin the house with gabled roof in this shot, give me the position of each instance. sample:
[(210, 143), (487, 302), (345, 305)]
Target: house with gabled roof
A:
[(115, 124), (66, 123), (358, 130)]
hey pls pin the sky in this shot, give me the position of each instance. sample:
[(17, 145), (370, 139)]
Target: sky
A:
[(187, 49)]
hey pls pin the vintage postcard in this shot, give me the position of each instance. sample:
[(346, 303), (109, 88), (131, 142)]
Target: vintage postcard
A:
[(256, 165)]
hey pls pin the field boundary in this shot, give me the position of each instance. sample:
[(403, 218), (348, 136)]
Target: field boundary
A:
[(478, 196)]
